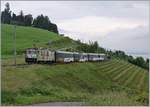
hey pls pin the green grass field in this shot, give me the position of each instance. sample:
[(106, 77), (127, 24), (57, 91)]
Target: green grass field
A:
[(25, 38), (113, 82)]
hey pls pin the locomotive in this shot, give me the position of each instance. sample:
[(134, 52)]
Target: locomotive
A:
[(44, 55)]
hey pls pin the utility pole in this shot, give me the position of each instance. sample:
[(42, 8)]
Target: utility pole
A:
[(14, 44)]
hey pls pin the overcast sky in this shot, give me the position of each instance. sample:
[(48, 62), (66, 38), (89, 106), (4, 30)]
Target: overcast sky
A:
[(117, 25)]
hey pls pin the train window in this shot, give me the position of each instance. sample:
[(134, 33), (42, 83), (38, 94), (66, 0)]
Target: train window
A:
[(29, 52), (47, 53), (42, 52), (64, 55), (77, 55)]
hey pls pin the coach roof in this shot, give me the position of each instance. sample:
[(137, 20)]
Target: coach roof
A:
[(64, 52)]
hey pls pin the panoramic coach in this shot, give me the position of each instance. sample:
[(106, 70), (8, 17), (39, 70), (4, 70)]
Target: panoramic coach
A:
[(94, 57), (31, 55), (44, 55), (76, 56), (84, 57), (80, 57), (63, 56), (102, 57)]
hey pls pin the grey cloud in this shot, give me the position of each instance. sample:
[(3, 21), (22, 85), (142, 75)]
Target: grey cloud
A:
[(60, 10), (136, 39), (131, 40)]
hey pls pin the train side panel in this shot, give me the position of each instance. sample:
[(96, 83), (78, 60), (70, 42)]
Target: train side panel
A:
[(84, 57), (44, 55), (93, 57), (76, 56), (31, 55), (64, 57), (102, 57)]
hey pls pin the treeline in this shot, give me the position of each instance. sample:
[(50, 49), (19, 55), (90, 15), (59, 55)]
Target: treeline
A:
[(41, 21), (93, 47), (139, 61)]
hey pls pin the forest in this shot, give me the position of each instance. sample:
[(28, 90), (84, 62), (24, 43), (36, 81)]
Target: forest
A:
[(41, 21)]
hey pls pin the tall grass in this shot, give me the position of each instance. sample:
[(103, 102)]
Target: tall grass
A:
[(87, 82), (26, 37)]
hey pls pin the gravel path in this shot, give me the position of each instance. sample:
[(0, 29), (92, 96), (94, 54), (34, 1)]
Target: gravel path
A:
[(60, 104)]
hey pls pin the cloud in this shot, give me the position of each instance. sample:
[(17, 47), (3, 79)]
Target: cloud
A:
[(112, 33), (61, 10), (129, 40), (95, 25), (114, 24)]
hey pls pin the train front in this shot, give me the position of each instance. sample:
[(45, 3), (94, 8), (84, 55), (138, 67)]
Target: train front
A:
[(31, 55)]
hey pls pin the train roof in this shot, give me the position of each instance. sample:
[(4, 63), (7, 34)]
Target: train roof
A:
[(102, 54), (80, 53), (84, 53), (31, 48), (44, 49), (64, 52), (76, 53), (96, 53), (93, 53)]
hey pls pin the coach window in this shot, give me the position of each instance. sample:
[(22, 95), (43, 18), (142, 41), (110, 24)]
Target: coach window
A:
[(29, 52), (47, 53)]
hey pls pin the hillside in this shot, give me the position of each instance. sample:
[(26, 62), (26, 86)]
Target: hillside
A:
[(113, 82), (26, 37), (107, 83)]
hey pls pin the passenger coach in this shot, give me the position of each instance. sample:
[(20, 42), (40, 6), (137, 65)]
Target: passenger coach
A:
[(31, 55), (44, 55), (63, 56), (80, 57)]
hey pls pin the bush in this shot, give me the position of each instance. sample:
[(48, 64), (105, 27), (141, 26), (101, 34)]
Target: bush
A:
[(7, 97)]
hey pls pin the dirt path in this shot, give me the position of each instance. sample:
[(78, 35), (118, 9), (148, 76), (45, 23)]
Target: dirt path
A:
[(60, 104)]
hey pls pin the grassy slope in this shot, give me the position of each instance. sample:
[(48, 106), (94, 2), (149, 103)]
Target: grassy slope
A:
[(94, 83), (107, 83), (25, 38)]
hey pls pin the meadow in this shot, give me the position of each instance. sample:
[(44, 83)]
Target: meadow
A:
[(26, 37), (114, 82)]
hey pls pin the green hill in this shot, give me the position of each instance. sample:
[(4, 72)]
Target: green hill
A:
[(27, 36), (113, 82)]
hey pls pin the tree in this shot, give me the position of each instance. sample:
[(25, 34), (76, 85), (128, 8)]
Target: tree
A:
[(28, 20), (131, 59), (14, 17), (38, 21), (44, 23), (53, 28), (139, 61), (78, 41), (95, 46), (20, 18), (147, 60), (6, 14), (147, 64)]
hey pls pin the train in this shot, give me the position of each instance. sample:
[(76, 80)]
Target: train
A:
[(44, 55)]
